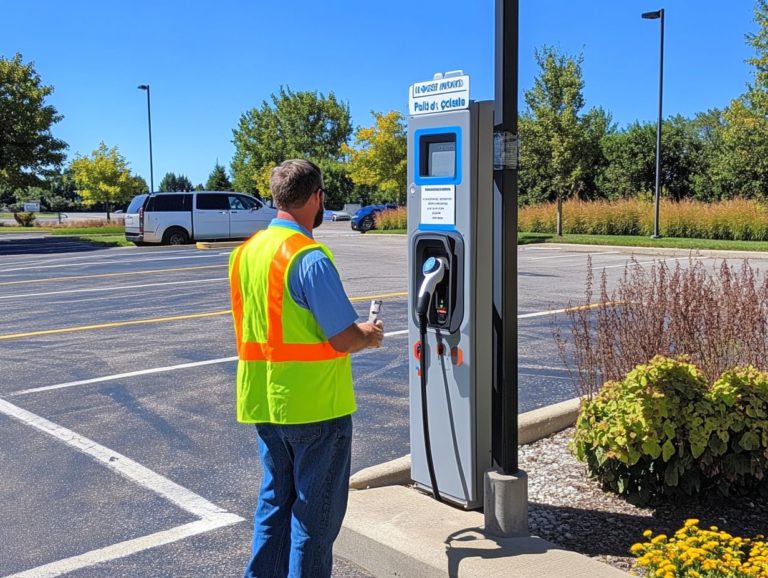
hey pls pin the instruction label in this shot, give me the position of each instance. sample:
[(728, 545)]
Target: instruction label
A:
[(438, 205)]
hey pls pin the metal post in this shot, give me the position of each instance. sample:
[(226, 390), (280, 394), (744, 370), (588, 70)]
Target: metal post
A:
[(659, 14), (149, 123), (504, 426)]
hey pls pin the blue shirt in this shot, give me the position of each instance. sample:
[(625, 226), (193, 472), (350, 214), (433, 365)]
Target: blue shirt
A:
[(315, 284)]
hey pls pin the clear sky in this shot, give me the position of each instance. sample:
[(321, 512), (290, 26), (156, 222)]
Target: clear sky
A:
[(209, 62)]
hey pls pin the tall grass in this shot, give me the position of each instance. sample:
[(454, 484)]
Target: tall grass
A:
[(392, 219), (738, 219)]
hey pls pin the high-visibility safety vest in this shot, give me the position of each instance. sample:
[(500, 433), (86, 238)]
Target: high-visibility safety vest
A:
[(287, 371)]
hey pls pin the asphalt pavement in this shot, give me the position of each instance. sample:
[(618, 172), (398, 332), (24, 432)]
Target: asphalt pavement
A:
[(120, 451)]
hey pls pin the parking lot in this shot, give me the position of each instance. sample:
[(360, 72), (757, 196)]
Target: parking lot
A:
[(120, 451)]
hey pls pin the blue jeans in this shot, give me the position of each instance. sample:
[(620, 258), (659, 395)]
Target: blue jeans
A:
[(303, 498)]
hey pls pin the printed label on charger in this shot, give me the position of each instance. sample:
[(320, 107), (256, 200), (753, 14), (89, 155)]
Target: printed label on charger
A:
[(438, 205)]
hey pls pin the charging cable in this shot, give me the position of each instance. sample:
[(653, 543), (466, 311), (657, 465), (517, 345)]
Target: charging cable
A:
[(434, 270)]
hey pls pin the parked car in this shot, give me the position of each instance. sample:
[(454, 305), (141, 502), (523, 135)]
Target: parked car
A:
[(180, 218), (365, 219), (340, 216)]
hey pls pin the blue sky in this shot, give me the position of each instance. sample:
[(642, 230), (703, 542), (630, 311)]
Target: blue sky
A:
[(207, 63)]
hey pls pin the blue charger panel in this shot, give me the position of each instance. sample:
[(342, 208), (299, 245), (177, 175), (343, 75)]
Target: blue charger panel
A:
[(438, 156)]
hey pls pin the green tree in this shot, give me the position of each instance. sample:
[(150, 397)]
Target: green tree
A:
[(218, 179), (28, 149), (741, 165), (631, 160), (104, 177), (554, 133), (379, 160), (293, 125), (173, 183)]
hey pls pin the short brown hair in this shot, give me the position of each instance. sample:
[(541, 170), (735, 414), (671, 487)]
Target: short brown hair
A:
[(293, 182)]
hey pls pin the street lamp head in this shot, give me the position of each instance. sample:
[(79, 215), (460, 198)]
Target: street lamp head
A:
[(143, 87), (652, 15)]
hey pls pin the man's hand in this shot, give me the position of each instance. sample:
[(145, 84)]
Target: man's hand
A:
[(358, 336), (374, 332)]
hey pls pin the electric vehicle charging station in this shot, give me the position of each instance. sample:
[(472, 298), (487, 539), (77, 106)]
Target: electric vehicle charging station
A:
[(450, 276)]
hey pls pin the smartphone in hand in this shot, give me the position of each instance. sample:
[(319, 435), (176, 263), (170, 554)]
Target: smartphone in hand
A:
[(373, 314)]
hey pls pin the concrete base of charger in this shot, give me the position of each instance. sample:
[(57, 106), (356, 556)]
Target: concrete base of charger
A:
[(398, 531)]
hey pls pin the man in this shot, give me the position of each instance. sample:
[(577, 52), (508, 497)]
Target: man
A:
[(295, 329)]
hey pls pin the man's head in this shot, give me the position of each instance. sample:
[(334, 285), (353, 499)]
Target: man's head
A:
[(296, 184)]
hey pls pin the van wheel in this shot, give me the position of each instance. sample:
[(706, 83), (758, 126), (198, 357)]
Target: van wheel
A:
[(175, 236)]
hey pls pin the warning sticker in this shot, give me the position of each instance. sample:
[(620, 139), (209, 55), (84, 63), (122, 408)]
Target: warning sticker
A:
[(438, 205)]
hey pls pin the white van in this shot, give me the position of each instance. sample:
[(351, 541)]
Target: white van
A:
[(179, 218)]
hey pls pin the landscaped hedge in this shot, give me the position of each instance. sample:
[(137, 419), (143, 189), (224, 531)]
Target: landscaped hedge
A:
[(738, 219), (663, 430), (392, 219)]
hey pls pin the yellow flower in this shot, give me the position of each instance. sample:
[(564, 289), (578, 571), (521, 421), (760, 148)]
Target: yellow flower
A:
[(690, 522), (647, 534)]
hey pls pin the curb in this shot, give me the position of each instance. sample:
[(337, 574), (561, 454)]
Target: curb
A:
[(531, 426)]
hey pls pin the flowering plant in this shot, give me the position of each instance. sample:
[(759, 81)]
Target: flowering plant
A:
[(693, 552)]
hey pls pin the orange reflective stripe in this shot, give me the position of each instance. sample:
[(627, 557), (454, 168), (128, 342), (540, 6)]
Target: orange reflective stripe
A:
[(276, 284), (251, 351), (275, 349)]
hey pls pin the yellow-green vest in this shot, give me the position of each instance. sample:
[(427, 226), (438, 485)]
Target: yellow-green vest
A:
[(287, 371)]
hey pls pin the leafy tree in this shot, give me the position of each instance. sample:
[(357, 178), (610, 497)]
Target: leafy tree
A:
[(173, 183), (293, 125), (104, 177), (218, 179), (28, 149), (631, 160), (552, 132), (338, 183), (380, 159), (741, 163)]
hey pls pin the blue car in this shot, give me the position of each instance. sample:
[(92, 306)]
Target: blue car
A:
[(365, 219)]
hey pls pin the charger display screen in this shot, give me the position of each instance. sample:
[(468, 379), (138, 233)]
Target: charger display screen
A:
[(438, 155)]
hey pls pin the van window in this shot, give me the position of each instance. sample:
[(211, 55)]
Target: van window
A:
[(166, 203), (136, 204), (208, 202), (242, 203)]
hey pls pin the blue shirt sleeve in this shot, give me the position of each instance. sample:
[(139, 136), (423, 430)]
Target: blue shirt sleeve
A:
[(315, 284)]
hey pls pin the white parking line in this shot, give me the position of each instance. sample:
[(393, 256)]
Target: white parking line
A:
[(211, 516), (147, 372), (112, 288), (201, 255), (572, 255)]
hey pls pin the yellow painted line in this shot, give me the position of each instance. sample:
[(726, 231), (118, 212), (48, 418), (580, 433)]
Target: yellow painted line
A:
[(161, 319), (76, 277), (380, 296), (116, 324)]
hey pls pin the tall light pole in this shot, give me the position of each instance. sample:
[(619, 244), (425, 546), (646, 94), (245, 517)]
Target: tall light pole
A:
[(149, 122), (658, 15)]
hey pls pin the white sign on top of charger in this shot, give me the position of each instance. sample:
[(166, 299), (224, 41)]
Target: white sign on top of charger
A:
[(442, 94)]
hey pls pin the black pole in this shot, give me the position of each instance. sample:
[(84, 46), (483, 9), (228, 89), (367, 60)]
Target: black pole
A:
[(151, 168), (657, 195), (504, 418), (149, 123)]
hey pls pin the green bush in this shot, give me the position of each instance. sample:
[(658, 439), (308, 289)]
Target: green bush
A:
[(729, 434), (662, 431), (24, 219), (633, 434)]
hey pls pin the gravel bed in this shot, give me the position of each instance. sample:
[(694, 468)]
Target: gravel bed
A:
[(568, 508)]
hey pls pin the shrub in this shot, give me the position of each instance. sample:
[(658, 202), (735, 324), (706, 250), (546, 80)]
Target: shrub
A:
[(662, 430), (695, 552), (718, 318), (633, 434), (392, 219), (729, 434), (24, 218)]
